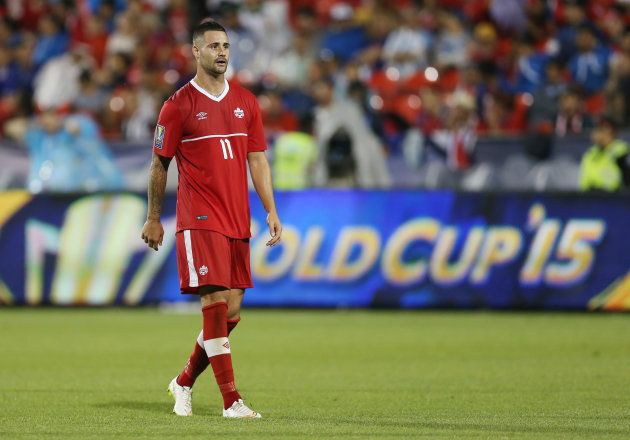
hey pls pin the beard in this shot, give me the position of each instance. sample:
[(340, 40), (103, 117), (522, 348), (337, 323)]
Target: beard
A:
[(214, 69)]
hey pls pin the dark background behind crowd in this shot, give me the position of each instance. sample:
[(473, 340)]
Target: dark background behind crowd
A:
[(354, 93)]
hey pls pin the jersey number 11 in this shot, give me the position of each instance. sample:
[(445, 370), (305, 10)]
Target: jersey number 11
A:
[(227, 147)]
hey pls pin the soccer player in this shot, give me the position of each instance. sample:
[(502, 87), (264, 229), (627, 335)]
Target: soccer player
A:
[(213, 127)]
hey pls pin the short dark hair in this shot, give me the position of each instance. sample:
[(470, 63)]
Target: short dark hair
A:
[(607, 122), (587, 27), (205, 26)]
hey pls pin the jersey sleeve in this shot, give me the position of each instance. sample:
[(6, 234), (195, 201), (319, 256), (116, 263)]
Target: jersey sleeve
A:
[(256, 135), (168, 131)]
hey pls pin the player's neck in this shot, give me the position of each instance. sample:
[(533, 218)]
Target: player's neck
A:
[(211, 84)]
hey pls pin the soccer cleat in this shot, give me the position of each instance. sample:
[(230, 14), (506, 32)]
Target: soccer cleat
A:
[(183, 398), (239, 410)]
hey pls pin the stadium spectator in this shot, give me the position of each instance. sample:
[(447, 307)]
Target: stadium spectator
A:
[(538, 16), (266, 22), (305, 24), (547, 96), (359, 93), (52, 40), (452, 43), (495, 102), (67, 154), (107, 11), (139, 110), (23, 58), (96, 37), (509, 16), (486, 46), (8, 35), (115, 73), (62, 71), (612, 24), (618, 86), (277, 118), (456, 141), (9, 75), (91, 98), (605, 165), (431, 116), (343, 38), (573, 17), (294, 157), (290, 68), (406, 48), (177, 19), (15, 114), (123, 40), (530, 66), (243, 45), (428, 15), (589, 66), (342, 121), (572, 117)]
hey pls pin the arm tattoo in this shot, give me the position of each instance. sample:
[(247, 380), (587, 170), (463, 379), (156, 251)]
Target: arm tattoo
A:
[(157, 186)]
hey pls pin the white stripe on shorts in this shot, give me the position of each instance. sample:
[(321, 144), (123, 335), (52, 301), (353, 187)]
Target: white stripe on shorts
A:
[(216, 346), (192, 273)]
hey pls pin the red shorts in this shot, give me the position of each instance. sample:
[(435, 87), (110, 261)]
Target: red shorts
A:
[(209, 258)]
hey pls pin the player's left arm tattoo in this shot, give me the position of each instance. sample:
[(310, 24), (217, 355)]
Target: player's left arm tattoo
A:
[(157, 185)]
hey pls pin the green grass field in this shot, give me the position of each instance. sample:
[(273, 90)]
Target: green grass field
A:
[(321, 374)]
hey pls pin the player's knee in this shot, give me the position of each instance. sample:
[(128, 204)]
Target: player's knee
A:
[(213, 294), (234, 312)]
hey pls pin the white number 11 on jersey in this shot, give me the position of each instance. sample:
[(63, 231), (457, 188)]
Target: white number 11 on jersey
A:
[(226, 146)]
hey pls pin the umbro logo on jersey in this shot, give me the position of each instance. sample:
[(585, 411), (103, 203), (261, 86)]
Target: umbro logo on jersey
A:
[(226, 345), (203, 270), (239, 113), (201, 115)]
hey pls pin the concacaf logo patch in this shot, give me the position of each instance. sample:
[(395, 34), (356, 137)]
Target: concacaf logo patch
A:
[(159, 136)]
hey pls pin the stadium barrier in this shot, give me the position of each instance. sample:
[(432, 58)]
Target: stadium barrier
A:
[(399, 249), (133, 159)]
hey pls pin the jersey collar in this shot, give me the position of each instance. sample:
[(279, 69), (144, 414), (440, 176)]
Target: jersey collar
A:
[(209, 95)]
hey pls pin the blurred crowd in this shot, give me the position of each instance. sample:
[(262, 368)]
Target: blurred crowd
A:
[(343, 85)]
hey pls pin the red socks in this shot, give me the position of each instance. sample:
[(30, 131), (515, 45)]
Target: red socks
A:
[(217, 347), (198, 360), (197, 363), (231, 323)]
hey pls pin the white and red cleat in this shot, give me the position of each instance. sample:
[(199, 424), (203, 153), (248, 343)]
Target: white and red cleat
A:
[(239, 410), (183, 398)]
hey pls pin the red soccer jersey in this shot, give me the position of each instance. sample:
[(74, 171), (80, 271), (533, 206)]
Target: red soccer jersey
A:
[(210, 137)]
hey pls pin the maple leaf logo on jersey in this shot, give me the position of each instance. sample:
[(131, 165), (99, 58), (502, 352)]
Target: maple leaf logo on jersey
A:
[(201, 115), (203, 270), (239, 113)]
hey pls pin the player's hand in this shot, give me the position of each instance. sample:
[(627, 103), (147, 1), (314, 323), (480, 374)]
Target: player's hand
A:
[(275, 228), (153, 233)]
